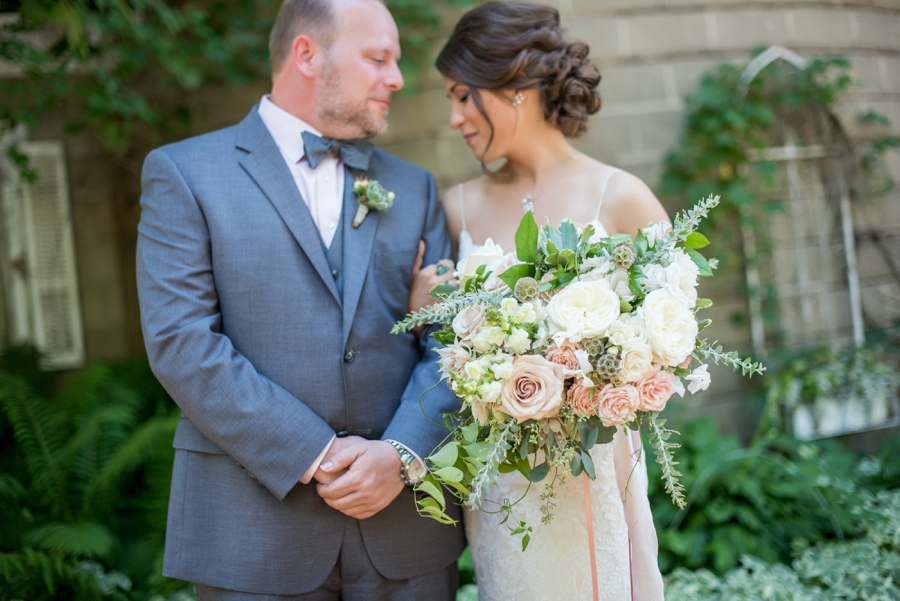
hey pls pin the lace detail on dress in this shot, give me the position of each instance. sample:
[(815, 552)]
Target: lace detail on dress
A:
[(556, 564)]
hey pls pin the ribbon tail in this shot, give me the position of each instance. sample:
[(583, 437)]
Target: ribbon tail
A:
[(590, 533)]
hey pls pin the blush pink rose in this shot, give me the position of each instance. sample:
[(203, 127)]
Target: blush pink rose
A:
[(654, 389), (617, 404), (583, 398), (533, 390), (564, 355)]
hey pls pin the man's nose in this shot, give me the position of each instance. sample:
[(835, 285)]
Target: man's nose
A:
[(394, 79)]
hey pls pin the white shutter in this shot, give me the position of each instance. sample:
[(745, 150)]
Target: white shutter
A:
[(50, 270)]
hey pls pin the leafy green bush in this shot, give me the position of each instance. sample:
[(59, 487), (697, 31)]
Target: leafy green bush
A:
[(84, 481), (859, 570), (761, 501)]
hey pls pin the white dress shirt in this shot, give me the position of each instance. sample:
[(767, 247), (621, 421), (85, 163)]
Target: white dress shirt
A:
[(322, 190)]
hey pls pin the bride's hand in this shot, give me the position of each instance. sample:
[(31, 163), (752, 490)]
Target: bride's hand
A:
[(426, 278)]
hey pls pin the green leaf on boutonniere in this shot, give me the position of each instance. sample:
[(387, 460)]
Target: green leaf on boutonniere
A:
[(701, 262), (527, 239), (515, 273)]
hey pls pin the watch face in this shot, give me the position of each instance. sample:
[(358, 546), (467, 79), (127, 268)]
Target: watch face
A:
[(415, 470)]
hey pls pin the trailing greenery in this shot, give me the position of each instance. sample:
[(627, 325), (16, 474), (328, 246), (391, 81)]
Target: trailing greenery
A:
[(763, 501), (125, 68), (728, 119), (84, 481)]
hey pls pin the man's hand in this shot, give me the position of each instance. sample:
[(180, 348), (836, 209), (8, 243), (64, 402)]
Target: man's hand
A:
[(369, 479), (337, 447)]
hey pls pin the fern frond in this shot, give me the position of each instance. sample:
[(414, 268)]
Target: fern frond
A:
[(659, 440), (88, 539)]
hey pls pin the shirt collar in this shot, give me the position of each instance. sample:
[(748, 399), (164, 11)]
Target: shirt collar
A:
[(285, 128)]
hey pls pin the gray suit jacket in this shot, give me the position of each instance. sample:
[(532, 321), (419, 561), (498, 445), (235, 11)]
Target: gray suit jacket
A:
[(245, 328)]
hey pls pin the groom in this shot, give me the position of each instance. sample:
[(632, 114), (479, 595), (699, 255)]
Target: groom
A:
[(267, 317)]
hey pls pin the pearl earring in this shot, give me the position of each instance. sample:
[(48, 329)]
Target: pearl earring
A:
[(517, 99)]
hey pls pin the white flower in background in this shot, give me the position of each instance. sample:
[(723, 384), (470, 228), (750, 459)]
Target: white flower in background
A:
[(595, 268), (542, 338), (490, 255), (655, 232), (489, 392), (699, 379), (477, 369), (678, 386), (583, 310), (518, 342), (487, 338), (618, 281), (671, 328), (655, 276), (502, 365), (509, 307)]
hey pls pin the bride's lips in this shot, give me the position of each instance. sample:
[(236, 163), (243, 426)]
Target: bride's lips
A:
[(469, 138)]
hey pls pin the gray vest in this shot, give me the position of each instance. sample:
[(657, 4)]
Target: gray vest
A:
[(335, 255)]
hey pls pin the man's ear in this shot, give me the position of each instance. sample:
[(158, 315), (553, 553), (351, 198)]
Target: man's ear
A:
[(303, 51)]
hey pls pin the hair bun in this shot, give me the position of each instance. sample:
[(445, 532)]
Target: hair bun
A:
[(518, 45)]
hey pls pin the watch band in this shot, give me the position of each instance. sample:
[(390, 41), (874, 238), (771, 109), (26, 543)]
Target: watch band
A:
[(406, 458)]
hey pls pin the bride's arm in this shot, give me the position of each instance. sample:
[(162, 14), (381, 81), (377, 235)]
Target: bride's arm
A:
[(630, 205)]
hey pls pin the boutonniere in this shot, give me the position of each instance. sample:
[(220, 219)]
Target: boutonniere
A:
[(370, 195)]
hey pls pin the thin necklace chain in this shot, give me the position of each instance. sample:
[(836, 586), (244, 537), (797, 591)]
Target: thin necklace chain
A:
[(528, 199)]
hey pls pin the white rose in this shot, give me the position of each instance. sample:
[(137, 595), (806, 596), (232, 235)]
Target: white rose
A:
[(656, 276), (626, 329), (487, 338), (518, 342), (671, 328), (583, 310), (489, 254), (681, 278), (637, 359), (468, 321)]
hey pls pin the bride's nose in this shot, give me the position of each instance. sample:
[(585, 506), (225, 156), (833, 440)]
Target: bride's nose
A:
[(456, 116)]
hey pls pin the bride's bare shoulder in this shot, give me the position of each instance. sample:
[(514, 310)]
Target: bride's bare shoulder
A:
[(466, 193), (628, 202)]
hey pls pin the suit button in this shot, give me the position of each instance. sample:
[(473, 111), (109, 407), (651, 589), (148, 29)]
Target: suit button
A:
[(349, 356), (335, 273), (342, 433)]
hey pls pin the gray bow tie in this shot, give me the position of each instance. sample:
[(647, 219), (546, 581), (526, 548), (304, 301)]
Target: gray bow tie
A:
[(354, 153)]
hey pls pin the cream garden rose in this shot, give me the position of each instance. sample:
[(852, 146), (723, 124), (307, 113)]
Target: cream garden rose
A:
[(670, 327), (534, 390), (583, 310), (468, 321), (490, 255)]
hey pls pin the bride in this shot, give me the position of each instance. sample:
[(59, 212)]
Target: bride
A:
[(519, 92)]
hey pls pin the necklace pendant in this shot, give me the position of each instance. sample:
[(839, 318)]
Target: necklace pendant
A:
[(527, 204)]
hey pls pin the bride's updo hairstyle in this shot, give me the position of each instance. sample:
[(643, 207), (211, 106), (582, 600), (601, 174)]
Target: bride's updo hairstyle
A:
[(519, 46)]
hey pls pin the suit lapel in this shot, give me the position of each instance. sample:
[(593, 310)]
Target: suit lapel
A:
[(358, 243), (266, 166)]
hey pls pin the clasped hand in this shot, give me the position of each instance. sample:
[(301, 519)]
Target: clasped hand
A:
[(359, 477)]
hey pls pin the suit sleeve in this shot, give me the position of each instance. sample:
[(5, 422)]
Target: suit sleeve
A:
[(412, 423), (272, 434)]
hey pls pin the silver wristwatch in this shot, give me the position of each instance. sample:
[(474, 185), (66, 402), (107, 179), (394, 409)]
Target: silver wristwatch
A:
[(408, 471)]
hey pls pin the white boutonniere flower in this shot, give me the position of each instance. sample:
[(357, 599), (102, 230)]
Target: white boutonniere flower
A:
[(370, 195)]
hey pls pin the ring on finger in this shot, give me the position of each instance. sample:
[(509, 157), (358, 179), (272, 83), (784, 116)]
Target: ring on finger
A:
[(442, 269)]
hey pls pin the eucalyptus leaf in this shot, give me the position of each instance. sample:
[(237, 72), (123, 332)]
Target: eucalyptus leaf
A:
[(539, 472), (588, 465), (576, 465), (569, 235), (605, 434)]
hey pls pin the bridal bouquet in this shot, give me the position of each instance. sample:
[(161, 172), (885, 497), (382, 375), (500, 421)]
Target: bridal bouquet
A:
[(553, 347)]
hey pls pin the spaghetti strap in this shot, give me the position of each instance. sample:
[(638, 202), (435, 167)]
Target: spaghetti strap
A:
[(603, 190), (462, 208)]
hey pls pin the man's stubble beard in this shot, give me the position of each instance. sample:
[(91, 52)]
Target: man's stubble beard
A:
[(335, 108)]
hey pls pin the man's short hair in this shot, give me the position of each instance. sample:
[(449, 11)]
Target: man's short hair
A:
[(314, 18)]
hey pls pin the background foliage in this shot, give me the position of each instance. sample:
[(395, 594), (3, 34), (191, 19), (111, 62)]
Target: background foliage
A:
[(84, 481)]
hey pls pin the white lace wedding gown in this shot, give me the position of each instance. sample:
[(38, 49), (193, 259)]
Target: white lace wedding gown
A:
[(556, 564)]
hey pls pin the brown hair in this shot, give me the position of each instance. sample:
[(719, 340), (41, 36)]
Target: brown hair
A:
[(314, 18), (519, 45)]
